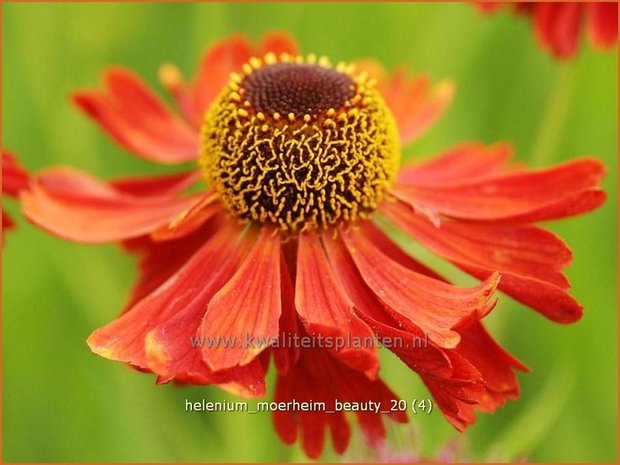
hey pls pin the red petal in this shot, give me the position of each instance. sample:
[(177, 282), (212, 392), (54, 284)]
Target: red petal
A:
[(489, 7), (219, 62), (14, 177), (189, 220), (603, 24), (434, 306), (564, 190), (417, 353), (278, 43), (160, 260), (319, 377), (557, 26), (284, 357), (173, 348), (248, 306), (188, 290), (167, 184), (130, 113), (494, 364), (414, 104), (7, 222), (463, 163), (457, 396), (481, 373), (529, 259), (483, 378), (325, 308), (172, 79), (76, 206), (389, 248)]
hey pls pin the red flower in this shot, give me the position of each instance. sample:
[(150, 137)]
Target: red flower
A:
[(14, 179), (301, 158), (558, 25)]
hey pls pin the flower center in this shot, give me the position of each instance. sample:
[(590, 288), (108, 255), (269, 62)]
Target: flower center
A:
[(298, 144), (298, 88)]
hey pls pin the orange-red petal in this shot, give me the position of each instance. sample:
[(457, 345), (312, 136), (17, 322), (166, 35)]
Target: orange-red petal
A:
[(158, 261), (319, 377), (79, 207), (463, 163), (287, 354), (529, 259), (188, 290), (174, 349), (168, 184), (219, 61), (557, 26), (190, 219), (414, 299), (603, 24), (415, 104), (14, 177), (564, 190), (277, 43), (246, 310), (139, 121), (325, 308)]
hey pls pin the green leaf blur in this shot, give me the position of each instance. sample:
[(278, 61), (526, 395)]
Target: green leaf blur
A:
[(62, 403)]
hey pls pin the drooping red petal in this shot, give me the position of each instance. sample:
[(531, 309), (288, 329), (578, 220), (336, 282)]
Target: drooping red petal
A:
[(529, 259), (277, 43), (565, 190), (489, 7), (220, 60), (167, 184), (389, 248), (457, 395), (160, 260), (483, 378), (285, 356), (326, 309), (414, 103), (557, 26), (602, 24), (174, 348), (189, 220), (319, 377), (7, 222), (14, 177), (131, 114), (423, 357), (413, 299), (79, 207), (494, 364), (246, 310), (464, 163), (190, 288)]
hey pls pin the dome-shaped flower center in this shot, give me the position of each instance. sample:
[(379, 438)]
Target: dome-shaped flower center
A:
[(298, 144), (297, 88)]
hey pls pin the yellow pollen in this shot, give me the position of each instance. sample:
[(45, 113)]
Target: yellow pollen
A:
[(310, 147)]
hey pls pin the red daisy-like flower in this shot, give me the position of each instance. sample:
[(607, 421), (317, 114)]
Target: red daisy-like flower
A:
[(14, 179), (558, 25), (301, 158)]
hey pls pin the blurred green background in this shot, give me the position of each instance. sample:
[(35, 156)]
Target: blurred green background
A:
[(62, 403)]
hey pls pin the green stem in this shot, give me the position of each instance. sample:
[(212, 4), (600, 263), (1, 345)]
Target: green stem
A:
[(554, 118)]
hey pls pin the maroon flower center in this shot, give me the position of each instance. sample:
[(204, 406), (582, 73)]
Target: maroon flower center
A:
[(297, 88)]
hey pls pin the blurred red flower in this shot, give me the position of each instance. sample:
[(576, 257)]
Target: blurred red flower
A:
[(558, 25), (14, 179)]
